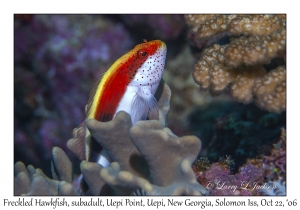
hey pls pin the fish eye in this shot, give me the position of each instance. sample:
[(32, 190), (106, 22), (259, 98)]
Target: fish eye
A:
[(142, 54)]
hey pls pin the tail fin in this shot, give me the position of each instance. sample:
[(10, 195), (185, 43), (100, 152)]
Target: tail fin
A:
[(93, 150), (77, 143)]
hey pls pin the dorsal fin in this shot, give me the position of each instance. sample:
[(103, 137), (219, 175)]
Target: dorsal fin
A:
[(92, 95)]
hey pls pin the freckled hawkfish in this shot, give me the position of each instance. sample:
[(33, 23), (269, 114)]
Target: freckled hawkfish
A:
[(128, 85)]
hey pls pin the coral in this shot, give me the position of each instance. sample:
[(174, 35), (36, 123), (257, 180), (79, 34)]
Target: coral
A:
[(227, 161), (58, 56), (240, 64), (234, 129), (168, 157), (258, 176), (219, 181), (278, 189), (208, 25), (201, 164), (147, 159), (275, 163), (270, 90), (186, 95), (33, 181)]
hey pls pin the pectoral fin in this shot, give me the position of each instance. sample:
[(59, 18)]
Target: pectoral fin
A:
[(143, 106)]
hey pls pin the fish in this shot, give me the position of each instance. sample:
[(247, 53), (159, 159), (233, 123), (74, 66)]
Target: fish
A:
[(128, 85)]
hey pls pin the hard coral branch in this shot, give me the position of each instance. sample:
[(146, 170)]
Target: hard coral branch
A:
[(208, 25), (33, 181), (114, 137), (147, 157), (270, 90), (239, 65), (164, 151)]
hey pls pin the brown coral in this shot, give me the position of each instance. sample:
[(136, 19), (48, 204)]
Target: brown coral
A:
[(240, 64), (186, 95), (31, 181), (148, 159), (255, 49), (167, 156), (270, 90), (208, 25)]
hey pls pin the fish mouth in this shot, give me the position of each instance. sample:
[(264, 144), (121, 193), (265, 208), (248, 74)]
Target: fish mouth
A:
[(163, 45)]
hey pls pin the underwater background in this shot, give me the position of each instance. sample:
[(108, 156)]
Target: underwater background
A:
[(58, 58)]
